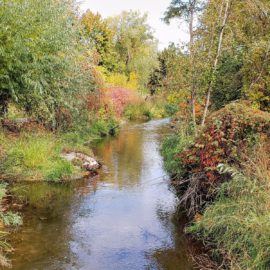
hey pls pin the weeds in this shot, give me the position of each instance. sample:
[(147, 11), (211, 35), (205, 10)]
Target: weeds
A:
[(32, 157), (238, 223), (145, 110), (11, 219), (172, 146)]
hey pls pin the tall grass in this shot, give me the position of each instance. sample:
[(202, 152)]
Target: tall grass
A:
[(32, 157), (145, 110), (238, 223), (172, 146)]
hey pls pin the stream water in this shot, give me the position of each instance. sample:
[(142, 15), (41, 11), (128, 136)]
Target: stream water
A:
[(121, 220)]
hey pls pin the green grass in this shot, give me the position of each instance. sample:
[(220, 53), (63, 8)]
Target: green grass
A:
[(172, 146), (146, 110), (35, 157), (238, 223)]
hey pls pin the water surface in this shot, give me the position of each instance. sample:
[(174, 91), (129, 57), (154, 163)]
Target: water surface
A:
[(122, 219)]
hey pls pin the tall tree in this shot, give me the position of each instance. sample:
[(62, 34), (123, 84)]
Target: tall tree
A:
[(187, 10), (224, 17), (99, 36), (135, 44)]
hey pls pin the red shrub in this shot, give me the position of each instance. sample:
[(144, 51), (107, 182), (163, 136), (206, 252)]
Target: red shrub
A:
[(226, 133), (118, 98)]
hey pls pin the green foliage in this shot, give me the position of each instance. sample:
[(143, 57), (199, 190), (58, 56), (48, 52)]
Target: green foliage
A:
[(39, 52), (238, 222), (172, 146), (228, 85), (100, 38), (181, 9), (171, 109), (33, 157), (11, 219), (134, 44)]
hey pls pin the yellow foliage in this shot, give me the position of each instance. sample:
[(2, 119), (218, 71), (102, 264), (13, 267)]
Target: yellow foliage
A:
[(121, 80)]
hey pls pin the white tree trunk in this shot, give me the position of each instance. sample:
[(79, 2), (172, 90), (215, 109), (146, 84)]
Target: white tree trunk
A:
[(214, 68)]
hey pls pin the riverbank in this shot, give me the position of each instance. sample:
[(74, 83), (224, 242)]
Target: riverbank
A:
[(222, 179)]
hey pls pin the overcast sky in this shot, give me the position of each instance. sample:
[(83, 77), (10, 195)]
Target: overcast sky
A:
[(155, 9)]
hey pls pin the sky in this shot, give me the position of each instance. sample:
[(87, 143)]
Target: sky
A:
[(175, 32)]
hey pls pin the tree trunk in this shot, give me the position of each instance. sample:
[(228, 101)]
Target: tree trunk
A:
[(191, 49), (214, 68)]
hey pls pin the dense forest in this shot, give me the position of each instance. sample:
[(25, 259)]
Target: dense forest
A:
[(69, 78)]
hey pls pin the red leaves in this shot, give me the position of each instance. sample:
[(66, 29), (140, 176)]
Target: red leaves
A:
[(118, 98), (226, 133)]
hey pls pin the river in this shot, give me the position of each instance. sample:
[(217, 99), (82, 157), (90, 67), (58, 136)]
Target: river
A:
[(124, 219)]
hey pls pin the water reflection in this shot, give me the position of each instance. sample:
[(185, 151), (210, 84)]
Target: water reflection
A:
[(119, 220)]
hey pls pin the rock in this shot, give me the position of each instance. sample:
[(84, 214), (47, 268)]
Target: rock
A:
[(87, 162)]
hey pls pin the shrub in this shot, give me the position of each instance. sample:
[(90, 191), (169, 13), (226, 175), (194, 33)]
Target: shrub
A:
[(117, 98), (227, 132)]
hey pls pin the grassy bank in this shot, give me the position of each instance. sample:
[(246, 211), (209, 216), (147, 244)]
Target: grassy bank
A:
[(36, 156), (222, 178)]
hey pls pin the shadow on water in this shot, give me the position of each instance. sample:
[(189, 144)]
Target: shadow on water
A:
[(122, 219)]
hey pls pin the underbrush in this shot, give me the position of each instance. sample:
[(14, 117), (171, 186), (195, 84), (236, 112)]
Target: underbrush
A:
[(237, 224), (29, 156), (172, 146), (226, 133)]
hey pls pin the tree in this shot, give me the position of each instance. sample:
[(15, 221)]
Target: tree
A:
[(225, 16), (40, 56), (100, 38), (134, 44), (187, 10)]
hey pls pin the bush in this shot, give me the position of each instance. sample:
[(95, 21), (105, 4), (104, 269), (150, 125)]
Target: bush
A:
[(227, 132)]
